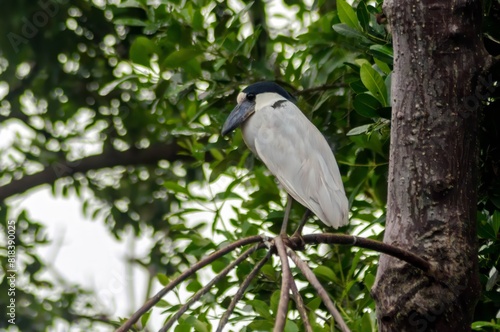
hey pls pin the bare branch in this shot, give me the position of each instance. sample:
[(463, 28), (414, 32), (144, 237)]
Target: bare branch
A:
[(239, 294), (361, 242), (189, 272), (300, 306), (207, 287), (319, 288), (286, 276), (111, 158)]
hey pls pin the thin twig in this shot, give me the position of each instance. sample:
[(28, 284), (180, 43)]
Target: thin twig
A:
[(298, 231), (152, 301), (300, 306), (362, 242), (241, 291), (319, 288), (207, 287), (286, 276)]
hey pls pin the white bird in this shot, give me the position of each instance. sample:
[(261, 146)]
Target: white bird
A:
[(292, 148)]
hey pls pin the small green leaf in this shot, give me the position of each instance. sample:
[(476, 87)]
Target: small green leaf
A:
[(347, 15), (145, 318), (369, 280), (495, 221), (383, 53), (366, 105), (374, 83), (478, 326), (193, 286), (134, 22), (261, 308), (291, 326), (141, 51), (347, 31), (325, 272), (363, 15), (130, 4), (180, 57), (163, 279), (176, 188), (359, 130), (314, 303), (383, 66), (358, 86)]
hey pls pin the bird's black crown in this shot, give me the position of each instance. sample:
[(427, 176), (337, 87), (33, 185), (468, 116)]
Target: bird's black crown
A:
[(263, 87)]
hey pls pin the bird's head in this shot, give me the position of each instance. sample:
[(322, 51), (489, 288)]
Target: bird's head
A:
[(252, 99)]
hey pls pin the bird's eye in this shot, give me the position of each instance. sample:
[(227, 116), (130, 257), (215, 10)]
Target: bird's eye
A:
[(251, 96)]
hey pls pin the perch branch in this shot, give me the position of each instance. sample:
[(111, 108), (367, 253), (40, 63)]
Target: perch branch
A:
[(319, 288), (219, 253), (241, 291), (385, 248), (286, 276), (207, 287)]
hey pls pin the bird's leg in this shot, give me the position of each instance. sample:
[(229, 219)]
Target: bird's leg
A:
[(288, 208), (298, 231)]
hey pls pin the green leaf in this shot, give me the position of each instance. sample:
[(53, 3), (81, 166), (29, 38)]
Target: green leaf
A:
[(478, 326), (178, 58), (291, 326), (495, 221), (358, 86), (383, 53), (374, 83), (130, 22), (359, 130), (383, 66), (130, 4), (347, 15), (261, 308), (369, 280), (366, 105), (141, 51), (193, 286), (176, 188), (314, 303), (325, 272), (145, 318), (163, 279), (363, 15), (347, 31)]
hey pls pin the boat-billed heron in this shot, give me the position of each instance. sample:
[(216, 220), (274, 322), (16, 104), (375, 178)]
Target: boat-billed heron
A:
[(292, 148)]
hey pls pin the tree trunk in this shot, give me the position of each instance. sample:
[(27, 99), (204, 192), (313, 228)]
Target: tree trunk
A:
[(437, 90)]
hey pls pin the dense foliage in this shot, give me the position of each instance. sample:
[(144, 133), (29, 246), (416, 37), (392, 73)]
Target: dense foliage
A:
[(146, 85)]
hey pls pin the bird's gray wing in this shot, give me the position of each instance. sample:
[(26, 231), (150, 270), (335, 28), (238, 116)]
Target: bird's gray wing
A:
[(298, 155)]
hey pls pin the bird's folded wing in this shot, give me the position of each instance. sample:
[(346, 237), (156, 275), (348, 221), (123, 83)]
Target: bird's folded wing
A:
[(299, 156)]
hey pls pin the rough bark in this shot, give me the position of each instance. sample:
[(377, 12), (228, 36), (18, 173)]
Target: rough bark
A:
[(437, 90)]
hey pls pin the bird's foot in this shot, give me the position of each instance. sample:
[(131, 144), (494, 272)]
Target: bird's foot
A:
[(297, 240)]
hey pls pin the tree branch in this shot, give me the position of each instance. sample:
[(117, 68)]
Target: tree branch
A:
[(319, 288), (207, 287), (286, 276), (404, 255), (111, 158), (291, 243), (239, 294), (300, 306), (189, 272)]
